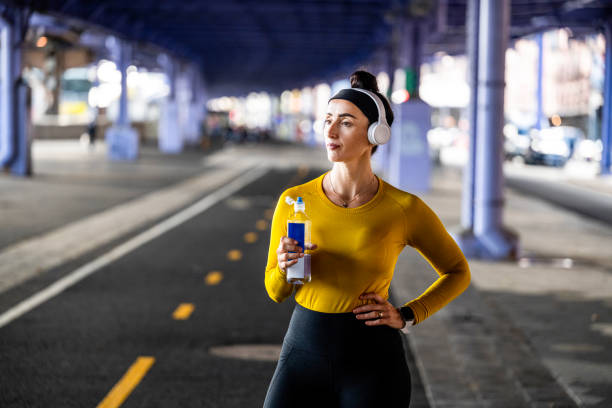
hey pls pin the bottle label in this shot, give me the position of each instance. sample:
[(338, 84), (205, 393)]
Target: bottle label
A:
[(300, 271), (296, 271)]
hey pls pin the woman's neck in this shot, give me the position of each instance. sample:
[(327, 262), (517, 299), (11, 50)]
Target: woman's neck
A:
[(352, 178)]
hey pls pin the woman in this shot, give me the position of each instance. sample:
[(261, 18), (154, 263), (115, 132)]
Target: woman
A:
[(343, 347)]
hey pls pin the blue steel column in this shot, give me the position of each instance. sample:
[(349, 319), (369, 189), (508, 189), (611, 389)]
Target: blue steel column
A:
[(380, 159), (465, 236), (192, 125), (418, 37), (170, 137), (22, 160), (122, 140), (494, 242), (390, 67), (123, 63), (14, 119), (606, 125), (7, 93), (539, 113), (409, 162), (191, 133)]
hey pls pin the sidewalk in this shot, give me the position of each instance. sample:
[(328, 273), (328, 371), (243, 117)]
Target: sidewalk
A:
[(583, 175), (532, 333), (576, 187)]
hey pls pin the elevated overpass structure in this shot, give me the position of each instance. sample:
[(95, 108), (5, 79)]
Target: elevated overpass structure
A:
[(233, 47), (95, 255)]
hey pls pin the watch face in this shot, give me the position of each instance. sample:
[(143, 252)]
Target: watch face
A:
[(407, 313)]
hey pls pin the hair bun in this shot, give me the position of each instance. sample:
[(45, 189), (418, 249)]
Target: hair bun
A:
[(364, 80)]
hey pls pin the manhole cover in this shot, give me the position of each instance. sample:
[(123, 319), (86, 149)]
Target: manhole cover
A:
[(259, 352)]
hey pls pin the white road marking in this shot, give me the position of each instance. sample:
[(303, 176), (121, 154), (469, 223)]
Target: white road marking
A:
[(31, 257), (155, 231)]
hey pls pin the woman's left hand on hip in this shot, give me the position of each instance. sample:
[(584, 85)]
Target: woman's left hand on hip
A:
[(379, 313)]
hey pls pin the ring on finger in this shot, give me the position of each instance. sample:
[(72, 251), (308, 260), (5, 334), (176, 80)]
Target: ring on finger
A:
[(380, 315)]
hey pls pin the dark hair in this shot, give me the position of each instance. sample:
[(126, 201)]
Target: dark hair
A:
[(365, 80)]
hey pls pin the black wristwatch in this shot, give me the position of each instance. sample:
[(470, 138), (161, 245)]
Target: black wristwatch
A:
[(407, 313)]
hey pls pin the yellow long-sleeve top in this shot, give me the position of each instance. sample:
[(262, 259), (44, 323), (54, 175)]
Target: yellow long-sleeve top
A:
[(358, 248)]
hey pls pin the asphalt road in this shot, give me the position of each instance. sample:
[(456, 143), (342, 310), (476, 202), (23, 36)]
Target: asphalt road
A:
[(73, 349)]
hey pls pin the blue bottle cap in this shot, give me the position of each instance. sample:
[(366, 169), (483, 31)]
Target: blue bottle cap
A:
[(299, 205)]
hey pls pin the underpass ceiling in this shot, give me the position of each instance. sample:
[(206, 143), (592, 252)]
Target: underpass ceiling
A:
[(275, 44)]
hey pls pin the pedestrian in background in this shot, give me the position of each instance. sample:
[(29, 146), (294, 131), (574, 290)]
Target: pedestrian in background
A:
[(343, 347)]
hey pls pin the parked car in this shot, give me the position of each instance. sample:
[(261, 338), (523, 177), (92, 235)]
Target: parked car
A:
[(553, 146)]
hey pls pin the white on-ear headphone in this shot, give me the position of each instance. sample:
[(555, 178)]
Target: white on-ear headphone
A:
[(379, 132)]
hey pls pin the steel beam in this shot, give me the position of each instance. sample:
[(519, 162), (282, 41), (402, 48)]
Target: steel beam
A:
[(606, 125), (539, 89)]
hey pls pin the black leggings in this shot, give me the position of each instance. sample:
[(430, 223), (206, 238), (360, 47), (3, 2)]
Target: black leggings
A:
[(335, 360)]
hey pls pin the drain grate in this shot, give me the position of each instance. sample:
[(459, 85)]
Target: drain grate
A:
[(256, 352)]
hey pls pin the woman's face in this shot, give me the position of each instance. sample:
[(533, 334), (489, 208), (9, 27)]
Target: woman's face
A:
[(346, 131)]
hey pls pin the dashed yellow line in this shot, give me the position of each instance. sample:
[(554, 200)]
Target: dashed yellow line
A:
[(234, 255), (250, 237), (183, 311), (213, 278), (127, 383), (261, 225)]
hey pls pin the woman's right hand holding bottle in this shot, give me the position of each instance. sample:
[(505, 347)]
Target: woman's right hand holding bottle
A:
[(289, 252)]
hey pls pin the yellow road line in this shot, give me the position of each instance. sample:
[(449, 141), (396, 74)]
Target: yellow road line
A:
[(183, 311), (213, 277), (234, 255), (261, 225), (127, 383), (250, 237)]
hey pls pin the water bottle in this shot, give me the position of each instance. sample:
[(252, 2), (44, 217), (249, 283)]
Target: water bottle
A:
[(298, 228)]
